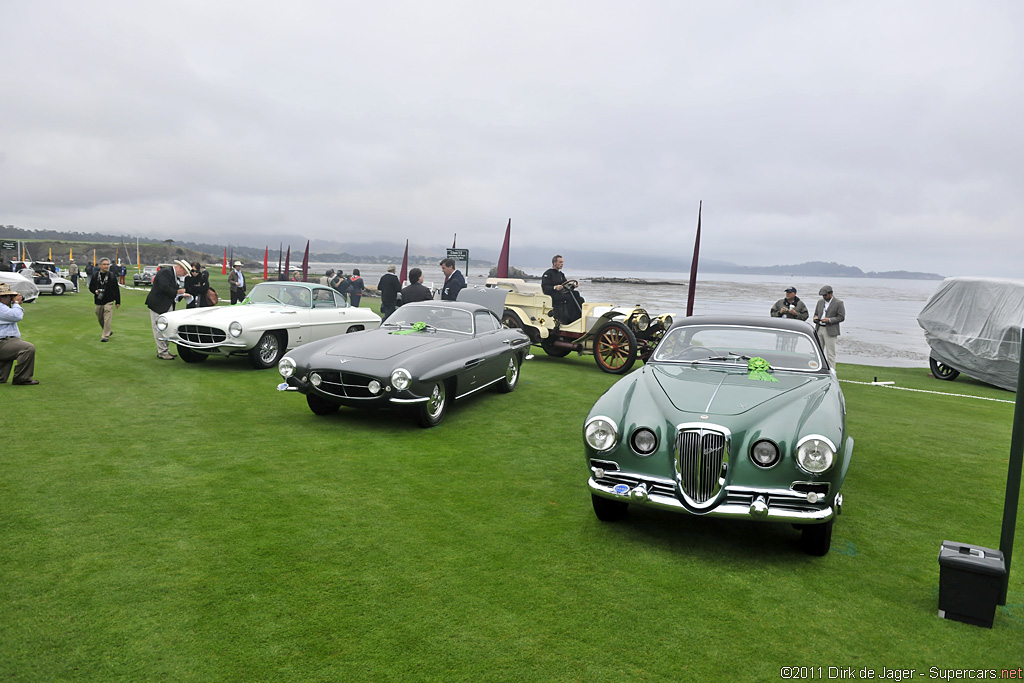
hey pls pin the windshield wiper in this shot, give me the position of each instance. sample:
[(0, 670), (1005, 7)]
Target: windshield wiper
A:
[(732, 356), (275, 299)]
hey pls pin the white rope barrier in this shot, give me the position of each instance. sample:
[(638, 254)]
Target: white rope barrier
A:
[(926, 391)]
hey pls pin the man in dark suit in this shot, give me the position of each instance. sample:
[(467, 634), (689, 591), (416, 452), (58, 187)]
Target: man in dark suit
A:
[(160, 300), (454, 281), (829, 312), (416, 291), (388, 287)]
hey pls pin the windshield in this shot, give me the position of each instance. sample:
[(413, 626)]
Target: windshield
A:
[(281, 294), (438, 317), (736, 345)]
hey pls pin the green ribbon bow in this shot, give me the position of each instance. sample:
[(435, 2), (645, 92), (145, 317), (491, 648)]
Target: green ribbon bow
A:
[(417, 327), (759, 370)]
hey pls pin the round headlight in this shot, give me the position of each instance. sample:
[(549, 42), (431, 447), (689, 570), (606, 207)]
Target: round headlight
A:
[(235, 329), (400, 379), (601, 433), (643, 321), (764, 454), (643, 441), (315, 379), (374, 387), (286, 367), (815, 454), (161, 323), (666, 321)]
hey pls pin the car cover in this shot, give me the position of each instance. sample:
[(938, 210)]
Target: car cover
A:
[(973, 324), (22, 285)]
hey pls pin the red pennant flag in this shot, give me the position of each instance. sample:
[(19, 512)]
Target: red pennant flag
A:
[(693, 266), (503, 258), (404, 274), (266, 253), (305, 264), (453, 239), (224, 268), (287, 263)]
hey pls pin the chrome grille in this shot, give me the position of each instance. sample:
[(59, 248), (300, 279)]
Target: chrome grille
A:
[(347, 384), (201, 334), (701, 456)]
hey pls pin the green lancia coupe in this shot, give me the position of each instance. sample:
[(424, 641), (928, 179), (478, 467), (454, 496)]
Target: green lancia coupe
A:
[(730, 417)]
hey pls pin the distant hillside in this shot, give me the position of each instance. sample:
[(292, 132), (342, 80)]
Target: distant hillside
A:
[(382, 252)]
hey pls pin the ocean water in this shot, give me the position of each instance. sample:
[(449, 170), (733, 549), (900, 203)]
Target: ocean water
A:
[(881, 314)]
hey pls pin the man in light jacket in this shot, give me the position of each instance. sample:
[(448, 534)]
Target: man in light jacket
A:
[(828, 313)]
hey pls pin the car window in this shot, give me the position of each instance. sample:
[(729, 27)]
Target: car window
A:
[(441, 317), (324, 298), (485, 322), (339, 300), (281, 294), (735, 344)]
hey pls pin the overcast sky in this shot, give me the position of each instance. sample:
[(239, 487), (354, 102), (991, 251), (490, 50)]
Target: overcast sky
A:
[(886, 135)]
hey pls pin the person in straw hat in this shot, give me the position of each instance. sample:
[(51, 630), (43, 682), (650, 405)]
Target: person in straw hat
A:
[(237, 281), (12, 346)]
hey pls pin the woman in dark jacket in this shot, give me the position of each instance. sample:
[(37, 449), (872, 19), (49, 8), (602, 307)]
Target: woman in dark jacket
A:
[(197, 283), (355, 292)]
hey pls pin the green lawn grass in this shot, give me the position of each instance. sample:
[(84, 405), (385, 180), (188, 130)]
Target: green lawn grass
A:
[(164, 521)]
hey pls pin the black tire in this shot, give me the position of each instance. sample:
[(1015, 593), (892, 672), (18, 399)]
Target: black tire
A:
[(511, 320), (552, 350), (615, 348), (431, 412), (58, 290), (321, 406), (190, 356), (942, 371), (816, 539), (608, 510), (510, 381), (268, 350), (354, 328)]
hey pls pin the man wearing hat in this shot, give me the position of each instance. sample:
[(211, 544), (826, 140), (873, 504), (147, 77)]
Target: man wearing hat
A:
[(161, 299), (12, 346), (828, 313), (790, 306), (237, 282)]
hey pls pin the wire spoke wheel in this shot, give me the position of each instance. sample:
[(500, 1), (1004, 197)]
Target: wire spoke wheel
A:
[(615, 348)]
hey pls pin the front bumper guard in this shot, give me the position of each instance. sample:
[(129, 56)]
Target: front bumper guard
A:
[(759, 509)]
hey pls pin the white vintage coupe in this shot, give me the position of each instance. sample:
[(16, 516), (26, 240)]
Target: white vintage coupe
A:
[(275, 317)]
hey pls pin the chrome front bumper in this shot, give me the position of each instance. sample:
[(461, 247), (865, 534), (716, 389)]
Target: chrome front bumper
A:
[(768, 505)]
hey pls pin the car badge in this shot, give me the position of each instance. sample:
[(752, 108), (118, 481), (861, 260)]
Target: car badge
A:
[(703, 417), (342, 361), (621, 489)]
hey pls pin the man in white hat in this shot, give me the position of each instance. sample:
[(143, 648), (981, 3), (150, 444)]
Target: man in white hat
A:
[(237, 282), (12, 346), (828, 313)]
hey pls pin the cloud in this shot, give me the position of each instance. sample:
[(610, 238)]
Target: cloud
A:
[(878, 135)]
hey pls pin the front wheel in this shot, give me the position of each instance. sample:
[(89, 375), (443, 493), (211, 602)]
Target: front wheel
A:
[(190, 356), (615, 348), (431, 412), (321, 406), (58, 290), (816, 539), (508, 383), (267, 352), (942, 371), (608, 510)]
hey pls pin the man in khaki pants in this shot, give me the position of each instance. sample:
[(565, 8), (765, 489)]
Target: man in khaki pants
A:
[(12, 346), (107, 293)]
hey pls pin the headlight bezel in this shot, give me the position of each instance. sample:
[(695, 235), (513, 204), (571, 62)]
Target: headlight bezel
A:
[(401, 379), (643, 432), (161, 323), (286, 367), (777, 457), (589, 432), (235, 329), (804, 451)]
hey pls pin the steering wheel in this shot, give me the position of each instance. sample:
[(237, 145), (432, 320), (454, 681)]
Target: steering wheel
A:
[(571, 284)]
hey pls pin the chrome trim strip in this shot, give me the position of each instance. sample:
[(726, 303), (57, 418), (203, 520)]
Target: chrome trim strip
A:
[(711, 400), (409, 400), (495, 381), (191, 345), (774, 514)]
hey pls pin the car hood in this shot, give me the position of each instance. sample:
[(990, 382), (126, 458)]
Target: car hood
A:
[(381, 344), (723, 390), (223, 315)]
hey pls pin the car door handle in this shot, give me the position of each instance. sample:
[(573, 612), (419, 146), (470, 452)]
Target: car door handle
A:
[(474, 362)]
